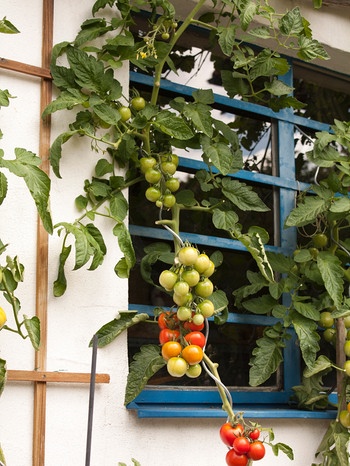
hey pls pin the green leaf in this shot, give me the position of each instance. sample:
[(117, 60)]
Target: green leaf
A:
[(307, 310), (26, 166), (340, 205), (109, 332), (6, 27), (277, 87), (248, 9), (5, 97), (107, 113), (200, 116), (332, 273), (66, 100), (186, 197), (322, 363), (119, 206), (56, 150), (220, 155), (291, 24), (242, 195), (308, 338), (126, 247), (98, 246), (306, 212), (172, 125), (227, 38), (2, 375), (234, 85), (60, 284), (87, 69), (103, 167), (341, 441), (3, 187), (32, 326), (286, 449), (261, 32), (310, 49), (225, 219), (267, 357), (204, 96), (145, 364), (261, 305)]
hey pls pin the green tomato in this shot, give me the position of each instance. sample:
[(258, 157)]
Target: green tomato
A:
[(169, 200), (191, 276), (320, 240), (210, 270), (347, 367), (173, 184), (181, 288), (329, 335), (168, 167), (138, 103), (347, 321), (146, 163), (204, 288), (167, 279), (152, 175), (326, 319), (152, 194), (177, 366), (194, 371), (206, 308), (182, 300), (188, 255), (202, 263), (347, 348), (165, 36), (173, 158), (184, 313), (125, 113), (344, 418), (198, 319)]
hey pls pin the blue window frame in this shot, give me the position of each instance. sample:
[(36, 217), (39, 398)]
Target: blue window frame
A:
[(198, 402)]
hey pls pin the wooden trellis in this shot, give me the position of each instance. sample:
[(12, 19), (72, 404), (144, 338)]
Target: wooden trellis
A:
[(40, 377)]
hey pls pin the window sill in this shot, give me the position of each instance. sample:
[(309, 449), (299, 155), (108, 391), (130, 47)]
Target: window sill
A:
[(150, 410)]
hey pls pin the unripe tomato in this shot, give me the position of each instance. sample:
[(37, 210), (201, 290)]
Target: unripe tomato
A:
[(191, 326), (167, 279), (184, 313), (171, 349), (347, 367), (165, 35), (257, 451), (234, 459), (347, 321), (169, 200), (167, 334), (320, 240), (138, 103), (326, 319), (125, 113), (191, 276), (177, 366), (152, 175), (202, 263), (210, 270), (181, 288), (147, 162), (347, 348), (194, 371), (181, 300), (329, 335), (193, 354), (198, 319), (196, 338), (168, 167), (348, 407), (206, 308), (3, 317), (173, 184), (188, 255), (344, 418), (204, 288), (173, 158), (152, 194)]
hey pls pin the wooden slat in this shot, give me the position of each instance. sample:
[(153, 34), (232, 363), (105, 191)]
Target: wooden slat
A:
[(24, 68), (39, 412), (45, 376)]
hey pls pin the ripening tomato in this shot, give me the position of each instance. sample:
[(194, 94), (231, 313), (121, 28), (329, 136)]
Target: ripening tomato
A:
[(241, 445), (257, 451), (168, 320), (3, 317), (169, 200), (198, 319), (182, 300), (195, 338), (177, 366), (173, 184), (234, 459), (168, 167), (193, 354), (326, 319), (194, 371), (228, 433), (167, 334), (193, 327), (210, 270), (171, 349)]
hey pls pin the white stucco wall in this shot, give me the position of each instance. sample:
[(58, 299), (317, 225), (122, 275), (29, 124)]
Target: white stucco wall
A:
[(92, 299)]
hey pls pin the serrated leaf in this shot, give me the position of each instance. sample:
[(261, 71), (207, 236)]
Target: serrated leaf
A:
[(322, 363), (3, 187), (200, 116), (60, 284), (119, 206), (248, 9), (307, 310), (291, 24), (6, 27), (32, 326), (2, 375), (308, 338), (126, 247), (261, 305), (203, 96), (331, 271), (262, 32), (278, 88), (225, 220), (125, 319), (87, 69), (340, 205), (310, 49), (286, 449), (306, 212), (56, 150), (227, 38), (107, 113), (242, 195), (66, 99), (267, 357), (220, 155), (172, 125), (144, 365)]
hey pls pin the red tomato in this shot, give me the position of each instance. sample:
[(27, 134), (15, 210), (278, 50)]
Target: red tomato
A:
[(257, 451), (254, 434), (228, 433), (167, 334), (193, 327), (195, 338), (234, 459), (241, 445)]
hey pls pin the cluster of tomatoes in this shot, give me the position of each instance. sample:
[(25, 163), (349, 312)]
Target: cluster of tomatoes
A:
[(158, 171), (244, 444), (181, 334)]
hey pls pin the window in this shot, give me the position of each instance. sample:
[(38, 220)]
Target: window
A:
[(273, 146)]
